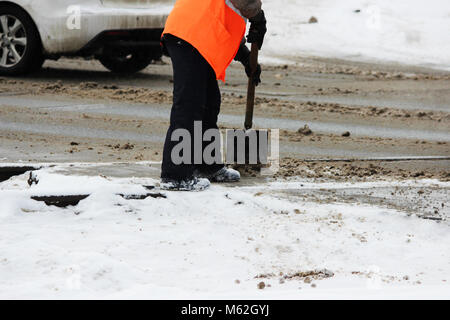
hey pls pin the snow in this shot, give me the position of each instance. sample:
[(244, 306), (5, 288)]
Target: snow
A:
[(196, 245), (400, 31)]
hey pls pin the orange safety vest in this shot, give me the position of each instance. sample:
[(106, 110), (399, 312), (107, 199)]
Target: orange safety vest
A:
[(213, 27)]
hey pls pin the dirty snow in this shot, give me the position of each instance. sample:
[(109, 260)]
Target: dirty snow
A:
[(403, 31), (196, 245)]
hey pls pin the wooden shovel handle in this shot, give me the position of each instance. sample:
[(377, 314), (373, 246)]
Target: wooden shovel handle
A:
[(251, 88)]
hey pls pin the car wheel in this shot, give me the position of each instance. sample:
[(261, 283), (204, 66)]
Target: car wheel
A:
[(20, 44), (126, 63)]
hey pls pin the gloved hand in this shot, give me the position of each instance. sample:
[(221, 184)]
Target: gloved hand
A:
[(256, 75), (243, 56), (258, 29)]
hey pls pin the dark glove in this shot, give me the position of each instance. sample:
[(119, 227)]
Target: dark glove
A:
[(256, 75), (257, 30), (243, 56)]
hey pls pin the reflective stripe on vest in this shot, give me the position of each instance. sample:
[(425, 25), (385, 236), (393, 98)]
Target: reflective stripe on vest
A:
[(213, 27)]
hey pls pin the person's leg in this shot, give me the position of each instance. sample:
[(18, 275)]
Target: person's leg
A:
[(216, 172), (210, 118), (190, 77)]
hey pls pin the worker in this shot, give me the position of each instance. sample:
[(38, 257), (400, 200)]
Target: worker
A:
[(202, 37)]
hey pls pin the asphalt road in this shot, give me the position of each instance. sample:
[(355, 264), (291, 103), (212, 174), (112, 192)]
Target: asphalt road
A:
[(75, 110)]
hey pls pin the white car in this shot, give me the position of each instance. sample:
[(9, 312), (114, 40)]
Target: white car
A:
[(123, 34)]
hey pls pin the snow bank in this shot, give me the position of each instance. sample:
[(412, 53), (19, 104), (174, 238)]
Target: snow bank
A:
[(404, 31), (196, 245)]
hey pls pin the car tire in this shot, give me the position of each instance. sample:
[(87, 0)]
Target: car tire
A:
[(20, 45), (126, 64)]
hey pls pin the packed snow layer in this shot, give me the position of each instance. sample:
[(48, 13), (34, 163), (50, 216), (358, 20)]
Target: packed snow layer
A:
[(403, 31), (197, 245)]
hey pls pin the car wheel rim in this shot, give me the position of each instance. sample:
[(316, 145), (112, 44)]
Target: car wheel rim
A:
[(13, 41)]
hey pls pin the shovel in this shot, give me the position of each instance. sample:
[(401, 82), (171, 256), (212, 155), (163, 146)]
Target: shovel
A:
[(254, 156), (251, 88)]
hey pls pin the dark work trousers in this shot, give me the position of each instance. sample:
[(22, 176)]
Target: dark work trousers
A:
[(196, 97)]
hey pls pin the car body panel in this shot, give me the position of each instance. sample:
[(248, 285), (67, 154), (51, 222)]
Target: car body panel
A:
[(134, 3), (95, 16)]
